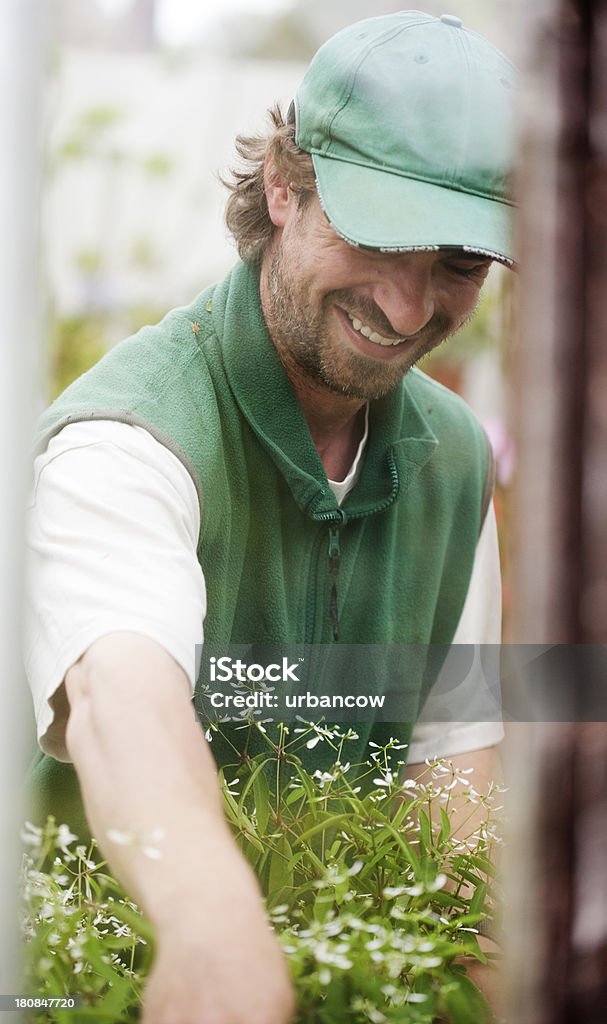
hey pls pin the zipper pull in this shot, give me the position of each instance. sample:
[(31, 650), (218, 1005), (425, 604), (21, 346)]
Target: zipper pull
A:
[(334, 553)]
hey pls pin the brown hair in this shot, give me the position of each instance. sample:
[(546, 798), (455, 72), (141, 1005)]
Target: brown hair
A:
[(247, 214)]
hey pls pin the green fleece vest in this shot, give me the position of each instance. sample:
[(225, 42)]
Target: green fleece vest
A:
[(208, 384)]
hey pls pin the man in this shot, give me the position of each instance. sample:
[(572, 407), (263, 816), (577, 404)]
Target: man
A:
[(267, 460)]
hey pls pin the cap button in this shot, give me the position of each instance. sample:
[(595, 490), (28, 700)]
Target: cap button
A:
[(450, 19)]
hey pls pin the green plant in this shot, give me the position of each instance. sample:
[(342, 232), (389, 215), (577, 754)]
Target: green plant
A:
[(372, 898)]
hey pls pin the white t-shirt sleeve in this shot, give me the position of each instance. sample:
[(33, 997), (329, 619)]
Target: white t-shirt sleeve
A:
[(112, 533), (480, 623)]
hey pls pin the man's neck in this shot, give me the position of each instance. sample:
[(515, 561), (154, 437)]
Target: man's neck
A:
[(336, 422), (337, 440)]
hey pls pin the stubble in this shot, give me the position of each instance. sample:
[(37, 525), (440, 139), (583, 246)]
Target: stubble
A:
[(305, 341)]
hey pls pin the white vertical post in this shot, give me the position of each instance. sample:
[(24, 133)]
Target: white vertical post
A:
[(21, 34)]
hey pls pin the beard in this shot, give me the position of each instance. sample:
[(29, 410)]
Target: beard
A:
[(306, 344)]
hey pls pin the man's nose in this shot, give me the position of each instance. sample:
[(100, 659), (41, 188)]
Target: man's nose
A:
[(404, 294)]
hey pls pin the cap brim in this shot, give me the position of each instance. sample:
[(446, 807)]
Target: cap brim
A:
[(381, 210)]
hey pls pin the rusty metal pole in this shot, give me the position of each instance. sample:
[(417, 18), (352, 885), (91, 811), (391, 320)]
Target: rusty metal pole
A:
[(550, 358), (558, 893), (560, 362), (593, 601)]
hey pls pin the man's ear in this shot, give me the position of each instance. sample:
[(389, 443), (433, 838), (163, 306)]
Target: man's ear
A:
[(279, 196)]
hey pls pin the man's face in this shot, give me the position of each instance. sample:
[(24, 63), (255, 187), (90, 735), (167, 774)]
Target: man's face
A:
[(357, 320)]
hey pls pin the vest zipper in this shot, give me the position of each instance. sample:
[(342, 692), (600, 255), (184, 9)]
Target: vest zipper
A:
[(334, 555), (336, 521)]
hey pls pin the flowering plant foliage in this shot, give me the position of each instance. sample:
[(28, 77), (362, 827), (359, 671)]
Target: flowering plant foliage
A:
[(373, 899)]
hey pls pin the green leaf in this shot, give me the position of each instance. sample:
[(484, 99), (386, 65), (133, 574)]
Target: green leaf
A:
[(465, 1004), (425, 829), (333, 821), (281, 874), (259, 767), (404, 808), (408, 850), (477, 902), (261, 792), (445, 829)]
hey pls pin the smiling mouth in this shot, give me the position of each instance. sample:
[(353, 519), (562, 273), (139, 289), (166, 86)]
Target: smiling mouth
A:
[(370, 334)]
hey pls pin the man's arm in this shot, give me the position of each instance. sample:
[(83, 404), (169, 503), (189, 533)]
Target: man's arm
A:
[(145, 768)]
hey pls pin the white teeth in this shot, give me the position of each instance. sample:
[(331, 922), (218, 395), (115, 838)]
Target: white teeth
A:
[(377, 339)]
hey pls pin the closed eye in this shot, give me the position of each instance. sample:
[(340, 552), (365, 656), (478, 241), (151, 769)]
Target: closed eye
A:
[(469, 270)]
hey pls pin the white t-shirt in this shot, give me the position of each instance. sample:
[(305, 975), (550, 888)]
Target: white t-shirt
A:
[(112, 534)]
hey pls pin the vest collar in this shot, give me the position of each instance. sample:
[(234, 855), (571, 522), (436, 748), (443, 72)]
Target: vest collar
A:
[(400, 440)]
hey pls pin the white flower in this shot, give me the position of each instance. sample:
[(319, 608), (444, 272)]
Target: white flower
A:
[(143, 840), (31, 834), (64, 838), (119, 837), (391, 892), (157, 834), (439, 882), (386, 780), (151, 852)]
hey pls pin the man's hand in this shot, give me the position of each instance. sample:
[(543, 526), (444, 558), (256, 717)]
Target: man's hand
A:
[(145, 770)]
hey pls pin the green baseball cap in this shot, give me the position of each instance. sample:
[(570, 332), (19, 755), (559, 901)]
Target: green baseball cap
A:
[(409, 121)]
